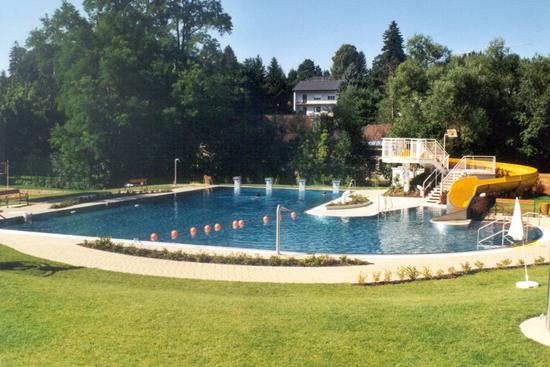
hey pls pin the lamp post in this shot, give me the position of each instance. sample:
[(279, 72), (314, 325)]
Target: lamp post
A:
[(176, 171)]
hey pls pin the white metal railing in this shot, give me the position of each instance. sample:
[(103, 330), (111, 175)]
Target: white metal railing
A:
[(415, 150), (470, 164), (430, 181), (503, 232), (532, 215)]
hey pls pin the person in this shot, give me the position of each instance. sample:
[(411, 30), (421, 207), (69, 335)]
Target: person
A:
[(325, 193), (257, 196)]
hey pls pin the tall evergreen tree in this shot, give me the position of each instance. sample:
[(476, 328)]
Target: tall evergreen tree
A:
[(277, 88), (391, 56), (253, 76)]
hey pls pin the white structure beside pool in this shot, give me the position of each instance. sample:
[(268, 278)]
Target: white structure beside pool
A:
[(316, 95)]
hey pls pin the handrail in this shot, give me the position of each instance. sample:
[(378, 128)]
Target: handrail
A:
[(433, 180), (450, 174), (493, 235), (532, 215), (496, 221), (414, 149)]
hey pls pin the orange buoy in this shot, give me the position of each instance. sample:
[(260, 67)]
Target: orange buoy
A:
[(293, 215), (154, 236), (193, 231), (174, 234), (241, 223), (207, 229), (266, 219), (235, 224), (217, 227)]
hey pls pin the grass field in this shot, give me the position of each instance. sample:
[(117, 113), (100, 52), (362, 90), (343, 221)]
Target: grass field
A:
[(56, 315)]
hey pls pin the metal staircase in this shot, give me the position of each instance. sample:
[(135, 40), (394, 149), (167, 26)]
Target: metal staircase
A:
[(429, 153)]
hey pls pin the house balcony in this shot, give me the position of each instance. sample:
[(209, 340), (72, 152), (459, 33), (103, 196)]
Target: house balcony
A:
[(309, 102)]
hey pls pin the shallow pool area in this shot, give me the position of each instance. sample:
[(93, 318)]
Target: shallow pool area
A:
[(407, 231)]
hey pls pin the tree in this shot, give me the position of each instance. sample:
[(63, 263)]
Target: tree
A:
[(277, 88), (307, 69), (347, 57), (324, 153), (229, 60), (253, 76), (534, 111), (425, 51), (391, 56)]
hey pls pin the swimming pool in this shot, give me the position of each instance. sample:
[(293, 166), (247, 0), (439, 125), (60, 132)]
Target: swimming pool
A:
[(406, 231)]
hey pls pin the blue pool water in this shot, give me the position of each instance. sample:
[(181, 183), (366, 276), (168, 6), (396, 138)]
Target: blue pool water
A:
[(401, 232)]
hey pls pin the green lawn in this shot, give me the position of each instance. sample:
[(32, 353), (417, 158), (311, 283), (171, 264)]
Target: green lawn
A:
[(56, 315)]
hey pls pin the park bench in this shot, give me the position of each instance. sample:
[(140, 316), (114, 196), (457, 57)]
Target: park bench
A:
[(506, 206), (13, 195), (137, 182)]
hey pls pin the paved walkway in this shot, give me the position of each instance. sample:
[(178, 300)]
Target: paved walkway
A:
[(64, 249), (18, 210)]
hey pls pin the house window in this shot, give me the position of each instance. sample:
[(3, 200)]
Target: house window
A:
[(317, 98), (304, 98), (317, 109), (331, 98)]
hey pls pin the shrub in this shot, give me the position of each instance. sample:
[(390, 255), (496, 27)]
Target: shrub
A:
[(427, 273), (504, 263), (452, 271), (376, 276), (540, 260), (466, 267), (401, 273), (412, 272), (361, 278), (387, 276), (479, 265), (439, 273), (64, 204), (520, 262)]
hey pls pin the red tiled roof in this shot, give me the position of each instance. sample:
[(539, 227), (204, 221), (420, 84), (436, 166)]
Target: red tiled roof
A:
[(376, 132)]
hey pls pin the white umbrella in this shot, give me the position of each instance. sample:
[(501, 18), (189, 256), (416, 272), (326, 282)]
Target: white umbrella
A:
[(516, 232)]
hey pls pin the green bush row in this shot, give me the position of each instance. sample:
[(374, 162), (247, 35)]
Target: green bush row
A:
[(106, 244), (411, 273)]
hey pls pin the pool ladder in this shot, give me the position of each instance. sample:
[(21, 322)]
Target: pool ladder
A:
[(503, 232)]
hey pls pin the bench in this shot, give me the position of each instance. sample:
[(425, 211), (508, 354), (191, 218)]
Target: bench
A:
[(13, 194), (138, 181), (506, 206)]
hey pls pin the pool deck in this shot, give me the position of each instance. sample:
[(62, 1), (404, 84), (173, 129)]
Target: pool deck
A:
[(65, 249)]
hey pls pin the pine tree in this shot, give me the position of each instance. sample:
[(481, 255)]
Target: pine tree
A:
[(391, 56), (277, 88)]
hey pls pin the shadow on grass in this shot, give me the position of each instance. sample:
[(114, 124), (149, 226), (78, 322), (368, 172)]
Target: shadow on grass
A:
[(34, 268)]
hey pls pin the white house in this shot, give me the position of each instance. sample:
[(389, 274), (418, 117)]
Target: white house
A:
[(317, 95)]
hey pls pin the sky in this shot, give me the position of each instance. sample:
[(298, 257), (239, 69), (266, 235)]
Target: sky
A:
[(293, 30)]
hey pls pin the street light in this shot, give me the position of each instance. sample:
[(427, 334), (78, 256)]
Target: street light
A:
[(176, 171), (450, 133)]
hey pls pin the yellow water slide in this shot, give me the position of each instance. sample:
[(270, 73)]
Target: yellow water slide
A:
[(511, 177)]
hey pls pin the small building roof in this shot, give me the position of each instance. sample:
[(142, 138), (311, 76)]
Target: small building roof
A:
[(318, 84), (375, 132)]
